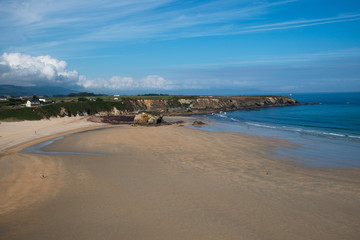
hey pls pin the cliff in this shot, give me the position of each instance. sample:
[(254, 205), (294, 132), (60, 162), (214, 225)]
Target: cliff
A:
[(169, 105), (198, 105)]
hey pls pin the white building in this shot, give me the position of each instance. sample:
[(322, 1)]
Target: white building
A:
[(28, 104)]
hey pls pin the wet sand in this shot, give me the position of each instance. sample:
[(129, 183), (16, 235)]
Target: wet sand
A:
[(172, 182)]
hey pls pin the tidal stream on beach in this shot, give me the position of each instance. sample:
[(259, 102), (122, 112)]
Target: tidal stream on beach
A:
[(38, 148)]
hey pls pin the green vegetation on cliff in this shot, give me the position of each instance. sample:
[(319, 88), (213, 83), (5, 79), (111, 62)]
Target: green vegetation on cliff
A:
[(174, 105), (53, 110)]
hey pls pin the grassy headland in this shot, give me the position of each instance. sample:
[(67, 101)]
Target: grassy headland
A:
[(164, 104)]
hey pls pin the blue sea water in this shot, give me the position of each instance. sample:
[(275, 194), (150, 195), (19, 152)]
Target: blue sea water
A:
[(326, 134)]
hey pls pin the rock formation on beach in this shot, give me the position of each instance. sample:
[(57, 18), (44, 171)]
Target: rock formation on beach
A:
[(145, 118), (198, 123)]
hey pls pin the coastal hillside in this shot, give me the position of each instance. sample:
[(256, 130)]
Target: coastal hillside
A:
[(177, 105), (206, 104)]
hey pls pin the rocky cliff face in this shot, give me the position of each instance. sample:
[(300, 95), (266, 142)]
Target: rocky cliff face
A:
[(206, 104)]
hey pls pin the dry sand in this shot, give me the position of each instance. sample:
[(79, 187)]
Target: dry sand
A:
[(172, 182), (15, 133)]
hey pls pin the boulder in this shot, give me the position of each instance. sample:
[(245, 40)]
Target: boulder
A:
[(141, 118), (145, 118), (155, 120), (198, 123), (115, 112)]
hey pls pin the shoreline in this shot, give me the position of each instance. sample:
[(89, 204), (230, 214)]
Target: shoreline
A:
[(287, 145), (318, 151)]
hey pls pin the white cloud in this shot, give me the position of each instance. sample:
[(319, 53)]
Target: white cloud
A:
[(115, 82), (156, 82), (25, 70), (127, 83)]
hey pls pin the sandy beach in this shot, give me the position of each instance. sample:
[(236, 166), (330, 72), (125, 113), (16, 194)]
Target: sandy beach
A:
[(15, 133), (167, 182)]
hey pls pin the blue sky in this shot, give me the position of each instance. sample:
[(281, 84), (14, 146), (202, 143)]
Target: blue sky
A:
[(183, 47)]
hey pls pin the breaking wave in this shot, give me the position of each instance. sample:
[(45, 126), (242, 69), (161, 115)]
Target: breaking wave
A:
[(298, 129)]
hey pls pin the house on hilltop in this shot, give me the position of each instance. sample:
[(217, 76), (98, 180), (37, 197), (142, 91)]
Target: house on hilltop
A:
[(32, 103)]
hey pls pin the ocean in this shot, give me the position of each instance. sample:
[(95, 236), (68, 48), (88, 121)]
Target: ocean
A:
[(326, 134)]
